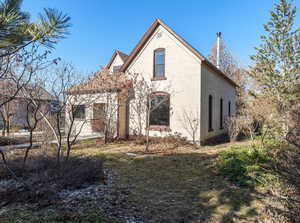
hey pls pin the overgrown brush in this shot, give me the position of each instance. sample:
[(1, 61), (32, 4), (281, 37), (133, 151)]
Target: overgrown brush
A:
[(42, 179)]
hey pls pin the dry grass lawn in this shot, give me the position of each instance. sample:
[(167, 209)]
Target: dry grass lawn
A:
[(176, 184), (169, 184)]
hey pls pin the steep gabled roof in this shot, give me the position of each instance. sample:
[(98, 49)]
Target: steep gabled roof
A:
[(149, 33), (122, 55)]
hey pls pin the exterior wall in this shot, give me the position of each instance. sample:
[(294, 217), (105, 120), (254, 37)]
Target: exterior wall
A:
[(182, 71), (86, 124), (18, 109), (116, 62), (213, 84)]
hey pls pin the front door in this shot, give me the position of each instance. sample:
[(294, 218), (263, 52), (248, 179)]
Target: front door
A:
[(98, 123)]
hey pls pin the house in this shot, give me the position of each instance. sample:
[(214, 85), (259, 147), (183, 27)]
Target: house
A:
[(14, 113), (163, 57)]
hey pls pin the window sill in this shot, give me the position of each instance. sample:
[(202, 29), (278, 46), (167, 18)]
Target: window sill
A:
[(160, 128), (79, 119), (158, 78)]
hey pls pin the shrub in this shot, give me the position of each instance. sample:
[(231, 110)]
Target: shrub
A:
[(245, 165), (42, 179), (175, 138)]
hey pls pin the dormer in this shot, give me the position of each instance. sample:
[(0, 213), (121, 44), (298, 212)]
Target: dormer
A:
[(116, 61)]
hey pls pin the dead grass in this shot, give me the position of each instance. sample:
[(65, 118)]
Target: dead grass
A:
[(26, 216), (176, 184), (170, 184)]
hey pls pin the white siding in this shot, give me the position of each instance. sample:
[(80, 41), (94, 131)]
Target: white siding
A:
[(116, 62), (213, 84), (182, 70), (88, 100)]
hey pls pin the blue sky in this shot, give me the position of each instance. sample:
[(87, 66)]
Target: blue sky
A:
[(99, 27)]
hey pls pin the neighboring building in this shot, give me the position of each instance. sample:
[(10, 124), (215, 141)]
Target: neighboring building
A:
[(162, 56), (15, 111)]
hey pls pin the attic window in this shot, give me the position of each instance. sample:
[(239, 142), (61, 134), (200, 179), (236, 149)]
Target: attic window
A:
[(159, 64), (116, 69)]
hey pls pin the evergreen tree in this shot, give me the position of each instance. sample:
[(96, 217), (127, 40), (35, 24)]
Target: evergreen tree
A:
[(277, 59), (17, 32), (277, 68)]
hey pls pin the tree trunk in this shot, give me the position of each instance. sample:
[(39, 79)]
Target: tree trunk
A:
[(28, 148), (7, 127), (147, 131)]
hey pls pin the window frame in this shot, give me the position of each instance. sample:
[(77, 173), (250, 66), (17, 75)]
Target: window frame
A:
[(75, 110), (221, 113), (116, 69), (155, 77), (156, 127), (210, 113)]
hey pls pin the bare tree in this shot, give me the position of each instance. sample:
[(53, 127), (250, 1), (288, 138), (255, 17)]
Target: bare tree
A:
[(21, 69), (228, 63), (74, 124), (8, 112), (32, 119), (233, 69), (190, 123), (142, 102)]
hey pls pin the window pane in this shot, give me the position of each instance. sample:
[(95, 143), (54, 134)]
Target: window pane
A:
[(160, 115), (160, 57), (159, 63), (210, 113), (159, 70), (79, 111), (116, 68), (221, 113)]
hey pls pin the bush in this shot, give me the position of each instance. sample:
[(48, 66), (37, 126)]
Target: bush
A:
[(42, 179), (175, 138), (245, 165)]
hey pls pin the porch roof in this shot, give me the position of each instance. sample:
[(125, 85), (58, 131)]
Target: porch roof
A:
[(101, 82)]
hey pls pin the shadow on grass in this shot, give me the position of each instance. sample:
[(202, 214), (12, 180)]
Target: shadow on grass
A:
[(180, 188)]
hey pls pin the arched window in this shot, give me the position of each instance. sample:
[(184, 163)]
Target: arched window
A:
[(160, 109), (210, 113), (229, 108), (159, 63), (221, 113)]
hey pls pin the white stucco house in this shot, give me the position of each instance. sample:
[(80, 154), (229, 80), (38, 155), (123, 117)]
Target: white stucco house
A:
[(196, 85)]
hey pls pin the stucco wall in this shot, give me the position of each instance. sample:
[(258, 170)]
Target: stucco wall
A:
[(182, 70), (215, 85), (88, 100)]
